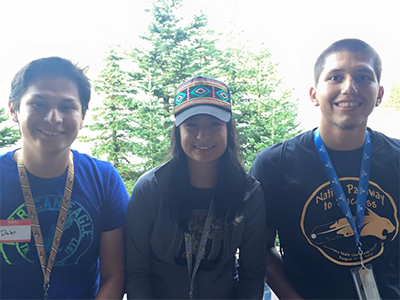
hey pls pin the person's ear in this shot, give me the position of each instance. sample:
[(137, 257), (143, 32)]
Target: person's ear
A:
[(380, 96), (83, 118), (13, 112), (313, 96)]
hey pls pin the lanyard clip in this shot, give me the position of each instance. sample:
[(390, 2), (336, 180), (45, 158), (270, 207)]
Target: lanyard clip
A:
[(360, 252), (46, 287)]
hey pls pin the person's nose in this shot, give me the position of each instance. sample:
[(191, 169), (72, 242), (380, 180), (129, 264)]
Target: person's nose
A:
[(203, 134), (53, 116), (349, 86)]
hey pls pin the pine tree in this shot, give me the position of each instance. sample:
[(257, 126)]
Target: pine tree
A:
[(264, 114), (394, 99), (114, 121), (149, 130), (134, 122), (8, 135), (173, 51)]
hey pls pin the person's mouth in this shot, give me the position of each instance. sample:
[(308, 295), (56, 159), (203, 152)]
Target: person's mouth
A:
[(51, 133), (204, 147), (348, 104)]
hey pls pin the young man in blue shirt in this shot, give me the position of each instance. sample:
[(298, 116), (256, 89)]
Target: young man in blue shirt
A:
[(74, 205)]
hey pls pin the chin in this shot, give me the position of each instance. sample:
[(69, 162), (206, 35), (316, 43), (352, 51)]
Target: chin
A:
[(347, 127), (204, 161)]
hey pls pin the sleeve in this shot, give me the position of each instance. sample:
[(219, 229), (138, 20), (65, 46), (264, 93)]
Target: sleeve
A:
[(139, 225), (116, 202), (252, 255), (268, 171)]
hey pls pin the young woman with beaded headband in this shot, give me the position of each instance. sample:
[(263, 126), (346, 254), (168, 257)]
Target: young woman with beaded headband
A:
[(188, 218)]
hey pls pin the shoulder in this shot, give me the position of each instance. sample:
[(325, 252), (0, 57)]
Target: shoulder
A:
[(155, 180), (276, 152), (8, 166), (150, 190), (101, 183), (87, 167), (87, 161), (4, 157), (7, 157), (155, 175), (94, 174), (7, 161), (254, 196), (278, 155), (385, 150), (382, 141), (252, 186)]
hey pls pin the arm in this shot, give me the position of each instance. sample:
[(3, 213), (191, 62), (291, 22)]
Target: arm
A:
[(112, 239), (139, 227), (276, 277), (112, 259), (267, 168), (252, 249)]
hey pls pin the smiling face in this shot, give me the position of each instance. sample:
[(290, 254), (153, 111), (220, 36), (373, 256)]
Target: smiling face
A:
[(49, 116), (203, 139), (347, 91)]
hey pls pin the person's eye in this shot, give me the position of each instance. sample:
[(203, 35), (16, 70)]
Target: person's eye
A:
[(363, 78), (67, 108), (335, 78), (215, 124), (37, 104)]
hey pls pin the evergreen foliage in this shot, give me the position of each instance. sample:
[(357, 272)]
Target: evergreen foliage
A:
[(173, 51), (133, 124), (113, 122), (394, 99), (264, 114), (8, 135)]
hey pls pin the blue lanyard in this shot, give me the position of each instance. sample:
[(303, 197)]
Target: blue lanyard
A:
[(337, 188)]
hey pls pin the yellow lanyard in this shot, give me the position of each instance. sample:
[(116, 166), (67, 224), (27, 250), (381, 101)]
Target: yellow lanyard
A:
[(62, 216)]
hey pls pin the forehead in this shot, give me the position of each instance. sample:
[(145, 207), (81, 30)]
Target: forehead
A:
[(202, 117), (348, 61), (52, 87)]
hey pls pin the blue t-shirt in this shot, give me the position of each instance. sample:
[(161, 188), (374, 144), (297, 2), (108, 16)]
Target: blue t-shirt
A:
[(98, 204)]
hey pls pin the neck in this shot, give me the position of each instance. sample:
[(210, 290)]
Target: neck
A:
[(203, 176), (336, 138), (44, 165)]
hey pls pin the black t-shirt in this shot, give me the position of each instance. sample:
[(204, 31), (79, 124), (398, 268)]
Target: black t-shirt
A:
[(318, 244), (193, 208)]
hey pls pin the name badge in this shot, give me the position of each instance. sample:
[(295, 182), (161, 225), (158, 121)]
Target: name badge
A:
[(365, 283), (15, 231)]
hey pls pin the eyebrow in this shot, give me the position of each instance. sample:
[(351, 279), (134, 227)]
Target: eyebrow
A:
[(70, 100), (357, 69), (43, 97)]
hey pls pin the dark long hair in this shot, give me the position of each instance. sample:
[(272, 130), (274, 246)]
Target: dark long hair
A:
[(231, 184)]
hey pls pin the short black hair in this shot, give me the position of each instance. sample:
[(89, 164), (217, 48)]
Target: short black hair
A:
[(351, 45), (53, 66)]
